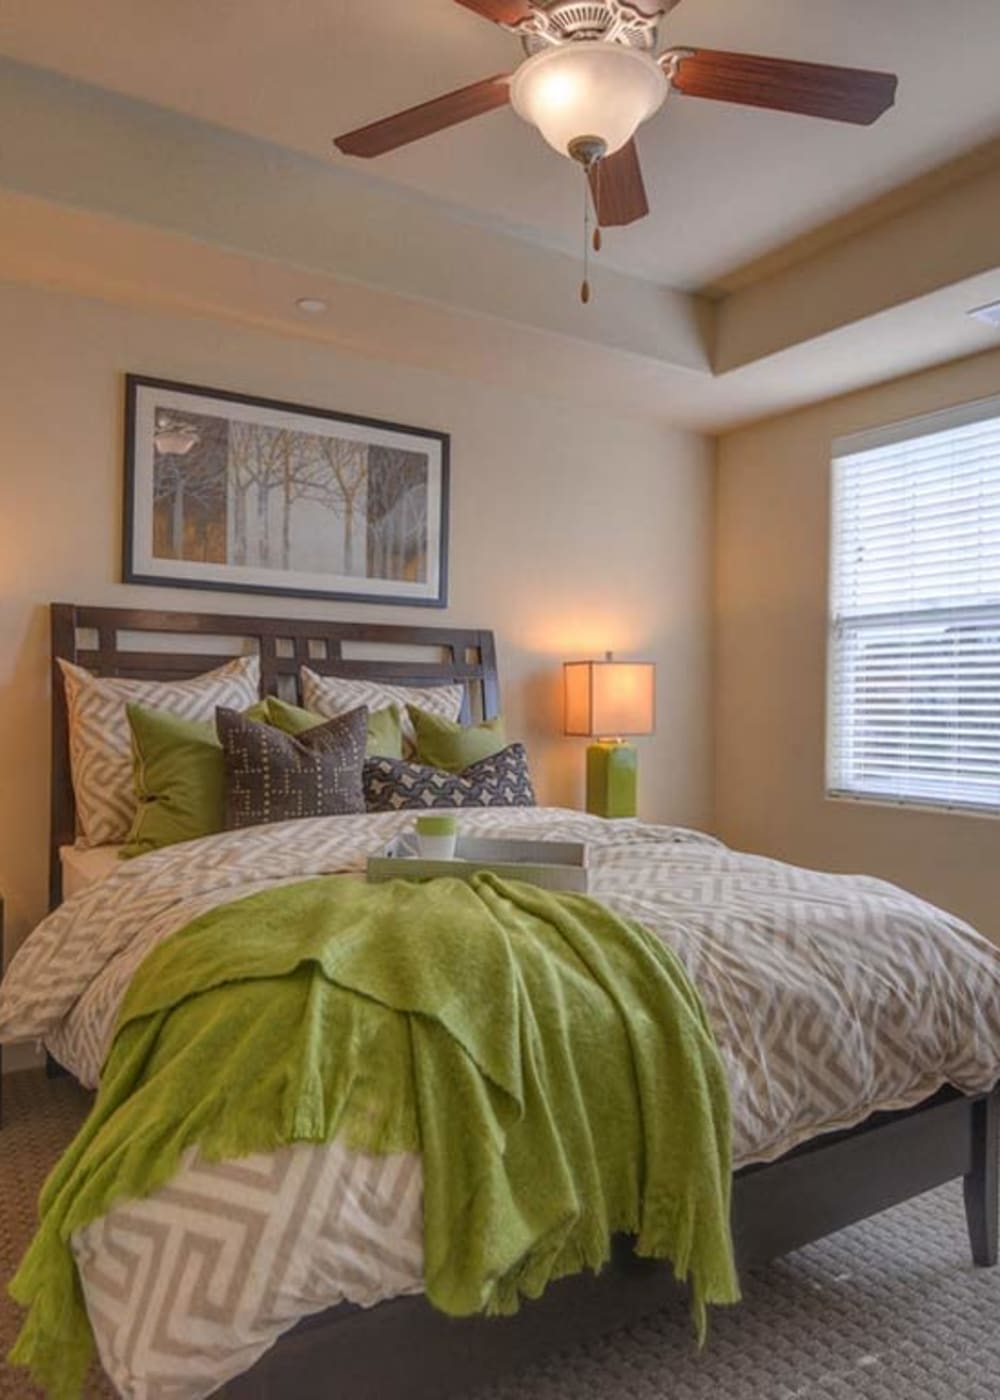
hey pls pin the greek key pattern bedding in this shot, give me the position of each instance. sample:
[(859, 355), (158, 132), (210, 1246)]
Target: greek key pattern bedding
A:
[(831, 997), (187, 1288)]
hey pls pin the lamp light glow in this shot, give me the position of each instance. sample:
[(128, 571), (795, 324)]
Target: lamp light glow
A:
[(609, 699), (593, 89)]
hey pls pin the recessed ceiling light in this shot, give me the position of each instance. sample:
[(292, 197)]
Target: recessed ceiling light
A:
[(313, 305), (990, 314)]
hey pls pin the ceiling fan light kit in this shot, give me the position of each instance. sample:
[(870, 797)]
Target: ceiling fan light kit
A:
[(592, 77), (588, 91)]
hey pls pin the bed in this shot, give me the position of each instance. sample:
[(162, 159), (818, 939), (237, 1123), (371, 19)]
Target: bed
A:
[(874, 1147)]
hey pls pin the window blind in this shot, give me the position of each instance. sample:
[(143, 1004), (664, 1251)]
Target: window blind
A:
[(914, 653)]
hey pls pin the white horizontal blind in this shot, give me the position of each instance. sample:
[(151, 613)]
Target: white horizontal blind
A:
[(914, 704)]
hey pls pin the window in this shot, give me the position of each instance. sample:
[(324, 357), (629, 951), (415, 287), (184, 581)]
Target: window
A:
[(914, 656)]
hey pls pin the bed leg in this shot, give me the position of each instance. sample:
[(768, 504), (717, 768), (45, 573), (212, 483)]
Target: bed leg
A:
[(981, 1210)]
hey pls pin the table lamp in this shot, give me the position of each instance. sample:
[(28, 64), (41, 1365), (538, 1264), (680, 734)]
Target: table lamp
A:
[(606, 700)]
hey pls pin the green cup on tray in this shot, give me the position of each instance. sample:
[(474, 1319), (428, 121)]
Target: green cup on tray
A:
[(437, 836)]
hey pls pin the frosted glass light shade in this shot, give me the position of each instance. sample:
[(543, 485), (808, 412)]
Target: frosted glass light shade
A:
[(609, 699), (590, 88)]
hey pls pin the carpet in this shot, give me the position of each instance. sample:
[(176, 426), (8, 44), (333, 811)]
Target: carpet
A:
[(891, 1309)]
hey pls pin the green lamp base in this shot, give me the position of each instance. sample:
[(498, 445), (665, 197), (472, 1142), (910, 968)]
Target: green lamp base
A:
[(612, 776)]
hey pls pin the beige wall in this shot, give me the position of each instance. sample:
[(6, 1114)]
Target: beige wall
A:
[(772, 489), (571, 532)]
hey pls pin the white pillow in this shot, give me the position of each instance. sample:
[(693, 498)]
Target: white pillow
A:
[(100, 742), (331, 696), (83, 866)]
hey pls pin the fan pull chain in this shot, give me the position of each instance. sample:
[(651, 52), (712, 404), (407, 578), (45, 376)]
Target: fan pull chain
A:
[(585, 284), (597, 239)]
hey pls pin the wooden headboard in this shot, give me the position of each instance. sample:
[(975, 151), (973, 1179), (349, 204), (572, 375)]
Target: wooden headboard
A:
[(137, 644)]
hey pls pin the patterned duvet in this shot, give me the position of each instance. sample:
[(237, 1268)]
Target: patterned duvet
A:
[(831, 997)]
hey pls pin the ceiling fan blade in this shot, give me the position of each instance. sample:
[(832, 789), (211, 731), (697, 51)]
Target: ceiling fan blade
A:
[(813, 89), (617, 186), (428, 117), (500, 11)]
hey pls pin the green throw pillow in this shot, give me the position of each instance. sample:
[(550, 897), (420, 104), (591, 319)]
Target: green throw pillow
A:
[(180, 775), (441, 743), (179, 778), (385, 733)]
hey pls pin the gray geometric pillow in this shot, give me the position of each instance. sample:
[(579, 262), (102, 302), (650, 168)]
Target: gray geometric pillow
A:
[(275, 777), (502, 780)]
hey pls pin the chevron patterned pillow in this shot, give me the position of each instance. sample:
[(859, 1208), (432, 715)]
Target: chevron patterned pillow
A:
[(100, 741), (336, 695), (501, 780)]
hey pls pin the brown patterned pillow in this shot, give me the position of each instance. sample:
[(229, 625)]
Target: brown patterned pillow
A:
[(277, 777), (501, 780)]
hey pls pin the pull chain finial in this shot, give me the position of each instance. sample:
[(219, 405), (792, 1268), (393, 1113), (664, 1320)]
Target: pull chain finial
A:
[(588, 151)]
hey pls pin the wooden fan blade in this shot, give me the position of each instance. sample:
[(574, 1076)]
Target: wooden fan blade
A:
[(813, 89), (500, 11), (617, 186), (428, 117)]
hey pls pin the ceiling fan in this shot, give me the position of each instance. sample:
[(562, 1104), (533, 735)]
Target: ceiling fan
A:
[(592, 75)]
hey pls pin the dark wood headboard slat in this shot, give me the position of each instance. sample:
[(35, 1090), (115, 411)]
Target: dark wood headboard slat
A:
[(400, 672), (466, 654), (139, 664)]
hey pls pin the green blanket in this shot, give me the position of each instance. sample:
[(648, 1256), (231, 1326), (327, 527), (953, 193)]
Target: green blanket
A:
[(550, 1061)]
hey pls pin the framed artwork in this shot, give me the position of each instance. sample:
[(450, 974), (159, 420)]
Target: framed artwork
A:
[(252, 495)]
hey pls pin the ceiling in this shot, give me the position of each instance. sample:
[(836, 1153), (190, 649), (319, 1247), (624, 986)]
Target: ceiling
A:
[(726, 184), (179, 155)]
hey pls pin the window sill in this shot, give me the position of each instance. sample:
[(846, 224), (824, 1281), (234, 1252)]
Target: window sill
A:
[(900, 804)]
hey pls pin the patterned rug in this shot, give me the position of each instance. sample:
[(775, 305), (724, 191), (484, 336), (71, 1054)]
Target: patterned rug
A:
[(889, 1310)]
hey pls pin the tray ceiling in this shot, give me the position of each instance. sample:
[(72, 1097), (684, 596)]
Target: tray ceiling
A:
[(726, 184)]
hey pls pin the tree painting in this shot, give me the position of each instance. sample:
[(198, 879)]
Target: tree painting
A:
[(257, 467), (258, 496), (228, 491), (397, 514), (343, 470), (189, 487)]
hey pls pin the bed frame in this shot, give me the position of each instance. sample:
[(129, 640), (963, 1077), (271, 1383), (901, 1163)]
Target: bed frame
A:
[(120, 642), (403, 1349)]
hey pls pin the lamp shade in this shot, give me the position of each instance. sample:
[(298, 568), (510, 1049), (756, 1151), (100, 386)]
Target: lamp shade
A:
[(595, 89), (609, 699)]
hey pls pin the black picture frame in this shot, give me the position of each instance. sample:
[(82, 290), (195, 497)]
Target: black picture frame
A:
[(139, 566)]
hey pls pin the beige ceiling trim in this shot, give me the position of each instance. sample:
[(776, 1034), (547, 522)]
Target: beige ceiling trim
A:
[(111, 197), (87, 148), (94, 255), (934, 245), (925, 188)]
